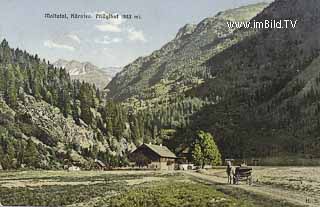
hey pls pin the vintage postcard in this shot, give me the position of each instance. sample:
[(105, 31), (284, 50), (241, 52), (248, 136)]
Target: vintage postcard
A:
[(172, 103)]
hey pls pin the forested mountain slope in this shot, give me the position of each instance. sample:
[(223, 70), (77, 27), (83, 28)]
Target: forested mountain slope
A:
[(177, 66), (258, 88), (268, 87), (48, 120)]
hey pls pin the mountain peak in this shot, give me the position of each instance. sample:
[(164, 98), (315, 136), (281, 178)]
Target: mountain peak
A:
[(86, 71), (242, 13)]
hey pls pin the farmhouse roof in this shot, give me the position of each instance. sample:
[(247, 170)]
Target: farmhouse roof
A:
[(186, 150), (99, 162), (161, 150)]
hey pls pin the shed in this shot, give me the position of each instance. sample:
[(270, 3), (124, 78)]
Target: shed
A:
[(185, 155), (99, 164)]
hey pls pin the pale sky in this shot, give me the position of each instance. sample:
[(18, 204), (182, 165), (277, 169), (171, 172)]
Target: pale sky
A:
[(102, 42)]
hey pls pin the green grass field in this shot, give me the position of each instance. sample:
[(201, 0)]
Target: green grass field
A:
[(174, 193), (116, 188)]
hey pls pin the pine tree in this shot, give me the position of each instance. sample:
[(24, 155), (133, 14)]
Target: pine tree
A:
[(1, 155), (49, 97), (64, 102), (86, 103), (9, 156), (76, 111), (5, 52), (31, 156), (109, 126), (21, 152), (2, 81), (11, 90)]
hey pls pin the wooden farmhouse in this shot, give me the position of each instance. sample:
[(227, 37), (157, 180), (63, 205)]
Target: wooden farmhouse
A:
[(153, 157)]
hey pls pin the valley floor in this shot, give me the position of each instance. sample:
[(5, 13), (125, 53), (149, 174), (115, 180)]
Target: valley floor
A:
[(272, 187), (295, 185)]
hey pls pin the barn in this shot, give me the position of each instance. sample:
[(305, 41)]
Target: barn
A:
[(153, 157)]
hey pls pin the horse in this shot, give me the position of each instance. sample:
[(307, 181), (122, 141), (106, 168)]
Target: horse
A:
[(229, 172)]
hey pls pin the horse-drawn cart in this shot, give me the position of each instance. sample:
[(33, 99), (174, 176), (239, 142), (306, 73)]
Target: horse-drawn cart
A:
[(242, 174)]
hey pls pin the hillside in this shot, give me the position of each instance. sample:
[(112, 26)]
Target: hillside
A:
[(257, 89), (87, 72), (48, 120), (177, 66), (268, 87)]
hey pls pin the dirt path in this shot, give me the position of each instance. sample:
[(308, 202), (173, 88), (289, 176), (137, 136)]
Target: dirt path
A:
[(275, 193)]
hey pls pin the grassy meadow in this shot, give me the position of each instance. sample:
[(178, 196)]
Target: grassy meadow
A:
[(119, 189)]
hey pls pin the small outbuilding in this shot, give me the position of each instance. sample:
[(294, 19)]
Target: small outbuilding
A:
[(185, 155), (153, 157), (185, 159), (99, 164), (1, 168)]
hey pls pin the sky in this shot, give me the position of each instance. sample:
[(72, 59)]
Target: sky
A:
[(105, 43)]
